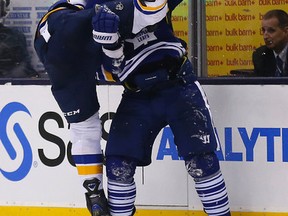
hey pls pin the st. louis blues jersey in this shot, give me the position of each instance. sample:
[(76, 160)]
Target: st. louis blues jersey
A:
[(64, 43)]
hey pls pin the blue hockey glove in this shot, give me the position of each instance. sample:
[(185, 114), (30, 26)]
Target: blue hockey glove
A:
[(105, 26)]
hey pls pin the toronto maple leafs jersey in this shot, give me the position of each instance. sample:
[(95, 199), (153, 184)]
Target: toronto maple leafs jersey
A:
[(151, 44), (146, 31), (147, 47)]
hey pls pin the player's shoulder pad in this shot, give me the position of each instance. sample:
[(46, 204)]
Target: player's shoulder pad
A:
[(59, 5)]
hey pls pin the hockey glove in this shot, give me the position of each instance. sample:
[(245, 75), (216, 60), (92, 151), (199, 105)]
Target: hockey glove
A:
[(105, 26)]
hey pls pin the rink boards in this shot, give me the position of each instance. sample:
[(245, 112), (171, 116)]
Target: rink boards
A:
[(35, 164)]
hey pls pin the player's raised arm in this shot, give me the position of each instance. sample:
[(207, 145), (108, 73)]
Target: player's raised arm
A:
[(105, 31)]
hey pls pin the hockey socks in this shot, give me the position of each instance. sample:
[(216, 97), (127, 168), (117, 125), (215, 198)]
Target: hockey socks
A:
[(121, 198), (86, 149), (213, 195), (89, 166)]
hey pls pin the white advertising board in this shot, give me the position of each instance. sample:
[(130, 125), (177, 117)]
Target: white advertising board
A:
[(252, 124), (250, 121)]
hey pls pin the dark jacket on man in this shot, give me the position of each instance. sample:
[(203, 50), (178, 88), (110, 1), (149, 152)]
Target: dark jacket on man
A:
[(265, 63), (15, 61)]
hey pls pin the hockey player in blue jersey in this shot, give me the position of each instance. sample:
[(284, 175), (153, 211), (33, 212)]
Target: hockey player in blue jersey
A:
[(64, 44), (160, 89)]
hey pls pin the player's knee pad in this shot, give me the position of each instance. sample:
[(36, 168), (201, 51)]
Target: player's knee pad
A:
[(120, 169), (86, 135), (201, 166)]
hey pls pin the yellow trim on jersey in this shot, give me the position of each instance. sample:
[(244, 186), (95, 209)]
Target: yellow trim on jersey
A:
[(108, 76), (150, 8), (90, 170), (45, 17)]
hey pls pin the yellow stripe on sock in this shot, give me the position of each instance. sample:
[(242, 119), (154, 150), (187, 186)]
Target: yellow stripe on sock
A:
[(90, 170)]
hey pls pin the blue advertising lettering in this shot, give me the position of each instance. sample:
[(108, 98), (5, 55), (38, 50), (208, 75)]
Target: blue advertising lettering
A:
[(167, 147)]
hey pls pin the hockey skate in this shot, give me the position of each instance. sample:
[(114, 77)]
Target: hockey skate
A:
[(134, 211), (95, 199)]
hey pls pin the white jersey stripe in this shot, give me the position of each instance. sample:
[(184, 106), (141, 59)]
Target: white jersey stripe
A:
[(131, 64)]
